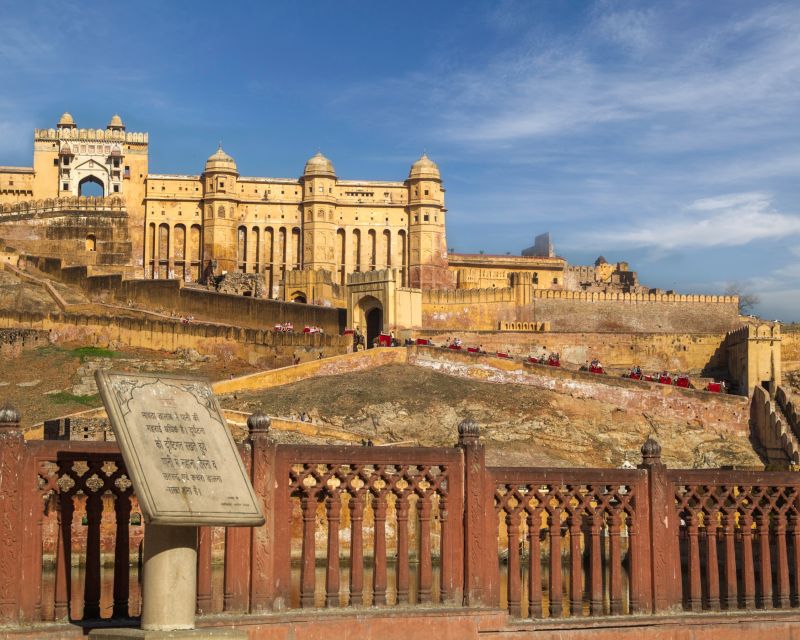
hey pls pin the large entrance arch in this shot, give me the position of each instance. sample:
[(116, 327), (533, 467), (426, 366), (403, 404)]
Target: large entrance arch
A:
[(370, 312), (91, 186), (374, 325)]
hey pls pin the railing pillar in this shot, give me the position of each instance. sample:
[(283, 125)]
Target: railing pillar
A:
[(262, 550), (238, 543), (12, 452), (660, 534), (481, 571)]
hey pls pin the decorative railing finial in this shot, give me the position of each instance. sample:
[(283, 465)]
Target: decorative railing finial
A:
[(9, 417), (651, 451), (468, 431), (258, 423)]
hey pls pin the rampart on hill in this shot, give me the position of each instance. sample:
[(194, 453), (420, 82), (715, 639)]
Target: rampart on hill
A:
[(172, 296), (263, 347), (702, 353), (487, 309)]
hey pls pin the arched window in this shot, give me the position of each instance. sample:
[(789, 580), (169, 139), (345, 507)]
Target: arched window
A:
[(91, 242), (242, 249), (221, 212)]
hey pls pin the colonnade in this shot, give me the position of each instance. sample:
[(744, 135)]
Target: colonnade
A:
[(370, 249), (172, 251), (268, 250)]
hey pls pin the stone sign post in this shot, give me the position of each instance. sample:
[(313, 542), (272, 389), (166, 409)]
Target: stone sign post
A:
[(186, 472)]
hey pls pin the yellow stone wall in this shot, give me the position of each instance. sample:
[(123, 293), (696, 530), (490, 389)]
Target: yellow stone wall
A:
[(16, 184), (478, 271)]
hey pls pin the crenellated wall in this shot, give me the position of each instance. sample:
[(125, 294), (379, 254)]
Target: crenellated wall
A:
[(790, 346), (486, 309), (91, 135), (774, 432)]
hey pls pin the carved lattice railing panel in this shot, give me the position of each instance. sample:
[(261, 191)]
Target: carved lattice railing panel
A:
[(570, 540), (95, 479), (740, 539), (389, 515)]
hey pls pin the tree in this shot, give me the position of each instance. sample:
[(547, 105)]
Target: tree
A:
[(748, 301)]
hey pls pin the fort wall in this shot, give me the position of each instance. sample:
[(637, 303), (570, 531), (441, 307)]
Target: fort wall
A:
[(357, 361), (790, 346), (265, 348), (775, 431), (173, 297), (679, 352), (657, 313), (487, 309)]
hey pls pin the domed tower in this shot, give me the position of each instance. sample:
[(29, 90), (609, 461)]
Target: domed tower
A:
[(220, 211), (66, 121), (319, 205), (115, 124), (426, 227)]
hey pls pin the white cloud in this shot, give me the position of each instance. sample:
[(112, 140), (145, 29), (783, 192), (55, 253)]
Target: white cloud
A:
[(707, 85), (632, 29), (722, 221)]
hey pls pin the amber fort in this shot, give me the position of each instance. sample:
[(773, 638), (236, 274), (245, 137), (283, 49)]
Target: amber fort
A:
[(441, 444)]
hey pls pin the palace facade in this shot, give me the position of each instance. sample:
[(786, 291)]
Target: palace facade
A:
[(177, 225)]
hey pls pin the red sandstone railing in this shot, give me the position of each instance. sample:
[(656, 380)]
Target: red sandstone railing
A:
[(592, 515), (387, 526), (736, 531)]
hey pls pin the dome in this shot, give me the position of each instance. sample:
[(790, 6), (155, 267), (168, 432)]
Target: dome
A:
[(319, 164), (220, 161), (600, 260), (66, 120), (116, 122), (424, 168)]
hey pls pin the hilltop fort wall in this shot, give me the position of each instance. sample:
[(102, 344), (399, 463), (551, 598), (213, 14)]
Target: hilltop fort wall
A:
[(790, 346), (261, 347), (578, 311), (679, 352), (173, 297)]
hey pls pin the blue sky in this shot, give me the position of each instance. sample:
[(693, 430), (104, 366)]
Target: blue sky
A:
[(663, 133)]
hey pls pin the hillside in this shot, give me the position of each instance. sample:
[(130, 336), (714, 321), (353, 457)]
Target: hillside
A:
[(521, 425)]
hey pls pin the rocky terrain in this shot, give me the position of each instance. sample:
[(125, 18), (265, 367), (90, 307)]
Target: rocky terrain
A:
[(520, 425)]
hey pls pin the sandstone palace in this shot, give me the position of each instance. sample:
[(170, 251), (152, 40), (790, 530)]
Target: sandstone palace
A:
[(371, 247)]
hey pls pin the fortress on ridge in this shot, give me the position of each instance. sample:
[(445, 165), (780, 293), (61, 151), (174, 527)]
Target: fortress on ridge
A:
[(319, 239)]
